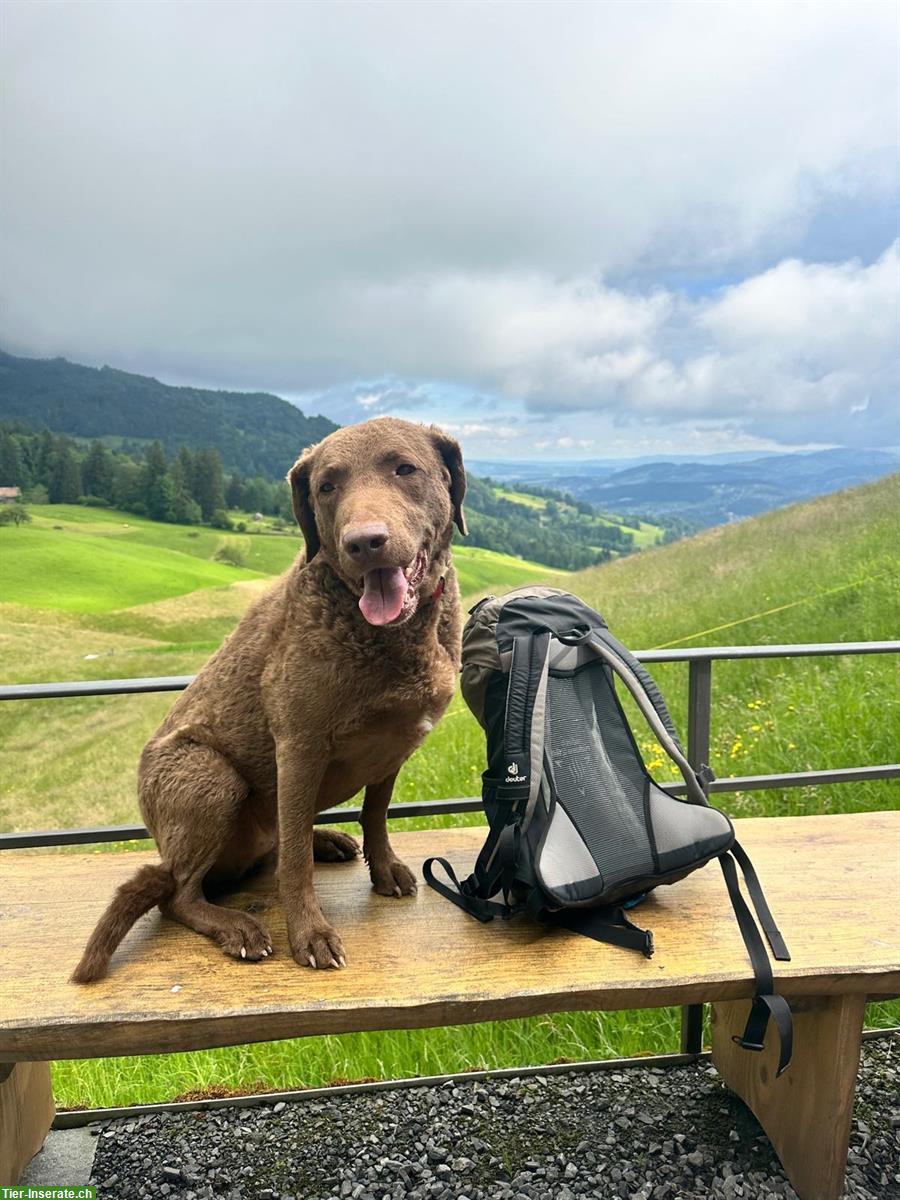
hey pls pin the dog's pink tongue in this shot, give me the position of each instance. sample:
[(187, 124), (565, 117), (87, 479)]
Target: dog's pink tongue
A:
[(385, 591)]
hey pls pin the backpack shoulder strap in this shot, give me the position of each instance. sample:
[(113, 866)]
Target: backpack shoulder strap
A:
[(646, 681), (526, 706), (663, 730)]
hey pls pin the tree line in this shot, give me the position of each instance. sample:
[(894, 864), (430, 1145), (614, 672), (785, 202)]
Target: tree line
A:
[(190, 489)]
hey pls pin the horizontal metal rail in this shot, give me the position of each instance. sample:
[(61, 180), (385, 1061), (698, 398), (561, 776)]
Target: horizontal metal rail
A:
[(699, 659), (94, 687), (466, 804), (177, 683), (76, 1117)]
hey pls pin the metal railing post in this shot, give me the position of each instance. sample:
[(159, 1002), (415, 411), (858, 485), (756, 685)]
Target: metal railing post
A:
[(699, 710), (698, 730)]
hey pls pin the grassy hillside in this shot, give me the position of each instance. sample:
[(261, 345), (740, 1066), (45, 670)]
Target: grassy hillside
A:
[(827, 570), (92, 560)]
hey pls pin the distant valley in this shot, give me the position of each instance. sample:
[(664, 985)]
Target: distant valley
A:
[(702, 491)]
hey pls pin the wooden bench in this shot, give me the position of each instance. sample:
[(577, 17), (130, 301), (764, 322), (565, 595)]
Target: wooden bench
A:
[(832, 881)]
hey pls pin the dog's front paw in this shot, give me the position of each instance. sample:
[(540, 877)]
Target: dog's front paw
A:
[(318, 946), (393, 879)]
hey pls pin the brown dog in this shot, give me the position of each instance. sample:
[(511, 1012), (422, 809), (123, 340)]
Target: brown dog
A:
[(327, 685)]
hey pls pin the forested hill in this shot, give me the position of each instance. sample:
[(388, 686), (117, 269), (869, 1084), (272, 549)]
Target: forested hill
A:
[(72, 434), (254, 432)]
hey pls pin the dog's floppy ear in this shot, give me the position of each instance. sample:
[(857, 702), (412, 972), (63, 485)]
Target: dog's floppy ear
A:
[(298, 478), (449, 450)]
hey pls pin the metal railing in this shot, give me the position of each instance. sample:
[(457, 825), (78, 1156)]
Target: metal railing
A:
[(699, 659)]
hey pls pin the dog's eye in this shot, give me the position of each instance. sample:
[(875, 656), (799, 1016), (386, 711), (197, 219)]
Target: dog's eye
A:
[(405, 469), (326, 487)]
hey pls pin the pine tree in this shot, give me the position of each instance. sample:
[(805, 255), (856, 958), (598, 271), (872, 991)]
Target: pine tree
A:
[(235, 492), (187, 466), (12, 469), (127, 487), (256, 495), (156, 491), (209, 482), (44, 458), (185, 510), (65, 477), (97, 472)]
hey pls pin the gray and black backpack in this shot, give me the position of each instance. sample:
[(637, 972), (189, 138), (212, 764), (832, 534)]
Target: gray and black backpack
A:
[(579, 831)]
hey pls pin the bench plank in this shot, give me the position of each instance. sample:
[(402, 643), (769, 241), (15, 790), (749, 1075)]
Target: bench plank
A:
[(832, 883)]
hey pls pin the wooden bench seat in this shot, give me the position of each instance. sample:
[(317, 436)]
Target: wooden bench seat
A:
[(832, 883)]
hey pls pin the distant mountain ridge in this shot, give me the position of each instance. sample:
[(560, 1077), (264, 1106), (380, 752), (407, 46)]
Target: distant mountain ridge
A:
[(256, 433), (707, 491)]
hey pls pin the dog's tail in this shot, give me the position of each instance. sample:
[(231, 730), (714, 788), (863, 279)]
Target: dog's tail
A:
[(150, 886)]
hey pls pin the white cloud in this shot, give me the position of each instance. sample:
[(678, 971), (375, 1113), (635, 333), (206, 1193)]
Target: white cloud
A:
[(299, 197), (796, 345), (471, 429)]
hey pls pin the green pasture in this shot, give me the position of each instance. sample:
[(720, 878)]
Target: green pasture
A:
[(523, 498), (84, 573), (91, 560), (824, 571), (268, 552), (644, 533)]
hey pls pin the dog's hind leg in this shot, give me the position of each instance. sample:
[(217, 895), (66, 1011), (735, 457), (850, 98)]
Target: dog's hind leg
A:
[(192, 797)]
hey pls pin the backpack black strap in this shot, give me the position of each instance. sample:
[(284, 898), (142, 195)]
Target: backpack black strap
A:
[(647, 682), (766, 1001), (459, 894), (607, 924), (496, 875), (763, 912)]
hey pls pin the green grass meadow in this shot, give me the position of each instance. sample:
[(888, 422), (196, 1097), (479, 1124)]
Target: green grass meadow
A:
[(88, 593)]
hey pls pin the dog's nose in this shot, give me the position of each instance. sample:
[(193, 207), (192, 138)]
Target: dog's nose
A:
[(364, 543)]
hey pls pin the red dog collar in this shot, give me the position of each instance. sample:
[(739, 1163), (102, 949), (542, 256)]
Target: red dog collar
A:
[(439, 590)]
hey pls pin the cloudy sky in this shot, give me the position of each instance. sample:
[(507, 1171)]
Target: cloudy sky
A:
[(566, 229)]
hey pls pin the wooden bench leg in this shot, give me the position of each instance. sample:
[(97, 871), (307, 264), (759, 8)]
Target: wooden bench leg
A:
[(26, 1113), (806, 1113)]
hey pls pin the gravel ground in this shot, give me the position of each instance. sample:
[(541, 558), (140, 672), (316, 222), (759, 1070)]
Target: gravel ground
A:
[(636, 1133)]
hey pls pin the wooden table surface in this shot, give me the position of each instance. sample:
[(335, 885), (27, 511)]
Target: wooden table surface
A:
[(833, 883)]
